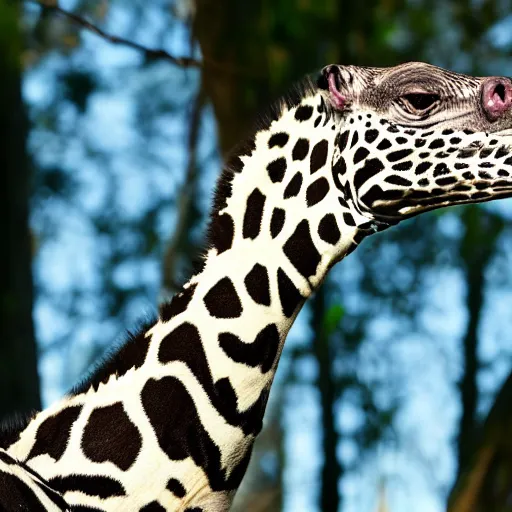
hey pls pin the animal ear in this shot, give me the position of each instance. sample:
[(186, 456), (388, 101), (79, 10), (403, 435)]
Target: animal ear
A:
[(333, 80)]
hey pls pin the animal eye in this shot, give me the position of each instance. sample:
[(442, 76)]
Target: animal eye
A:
[(420, 102)]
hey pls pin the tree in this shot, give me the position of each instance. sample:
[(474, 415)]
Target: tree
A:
[(484, 482), (477, 248), (19, 381)]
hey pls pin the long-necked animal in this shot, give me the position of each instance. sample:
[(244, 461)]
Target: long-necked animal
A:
[(168, 422)]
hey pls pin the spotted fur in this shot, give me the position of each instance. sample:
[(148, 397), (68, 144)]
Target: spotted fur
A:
[(168, 422)]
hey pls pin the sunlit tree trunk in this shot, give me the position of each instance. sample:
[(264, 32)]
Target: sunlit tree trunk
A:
[(485, 483), (19, 382)]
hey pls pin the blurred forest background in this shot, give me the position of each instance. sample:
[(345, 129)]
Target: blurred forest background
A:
[(394, 392)]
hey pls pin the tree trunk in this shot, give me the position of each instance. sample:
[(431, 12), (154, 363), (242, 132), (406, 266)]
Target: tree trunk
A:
[(468, 387), (485, 484), (330, 498), (482, 452), (19, 383), (231, 34), (477, 249)]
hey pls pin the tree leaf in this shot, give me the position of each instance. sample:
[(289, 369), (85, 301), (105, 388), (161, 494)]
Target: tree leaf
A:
[(333, 317)]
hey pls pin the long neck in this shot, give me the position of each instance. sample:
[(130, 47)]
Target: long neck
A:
[(199, 378), (276, 229), (274, 234)]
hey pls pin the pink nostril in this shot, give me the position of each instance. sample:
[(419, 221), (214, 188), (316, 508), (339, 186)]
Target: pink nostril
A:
[(496, 97), (499, 94)]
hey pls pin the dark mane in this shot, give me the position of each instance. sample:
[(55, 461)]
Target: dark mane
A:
[(12, 426), (124, 356), (118, 360), (219, 229), (294, 95), (290, 99)]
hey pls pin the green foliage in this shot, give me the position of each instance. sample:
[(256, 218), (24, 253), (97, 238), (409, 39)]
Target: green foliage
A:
[(333, 317), (10, 37)]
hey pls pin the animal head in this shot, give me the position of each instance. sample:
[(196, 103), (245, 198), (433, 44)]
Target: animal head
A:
[(416, 137)]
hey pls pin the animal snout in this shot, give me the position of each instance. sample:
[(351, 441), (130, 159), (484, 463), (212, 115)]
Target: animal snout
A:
[(496, 97)]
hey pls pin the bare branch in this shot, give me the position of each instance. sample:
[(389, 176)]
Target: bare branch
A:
[(186, 204), (155, 53)]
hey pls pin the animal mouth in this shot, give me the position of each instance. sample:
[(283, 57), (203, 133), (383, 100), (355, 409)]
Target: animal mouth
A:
[(504, 133), (410, 206)]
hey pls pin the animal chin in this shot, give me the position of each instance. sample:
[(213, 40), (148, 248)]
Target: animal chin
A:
[(505, 133), (448, 199)]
